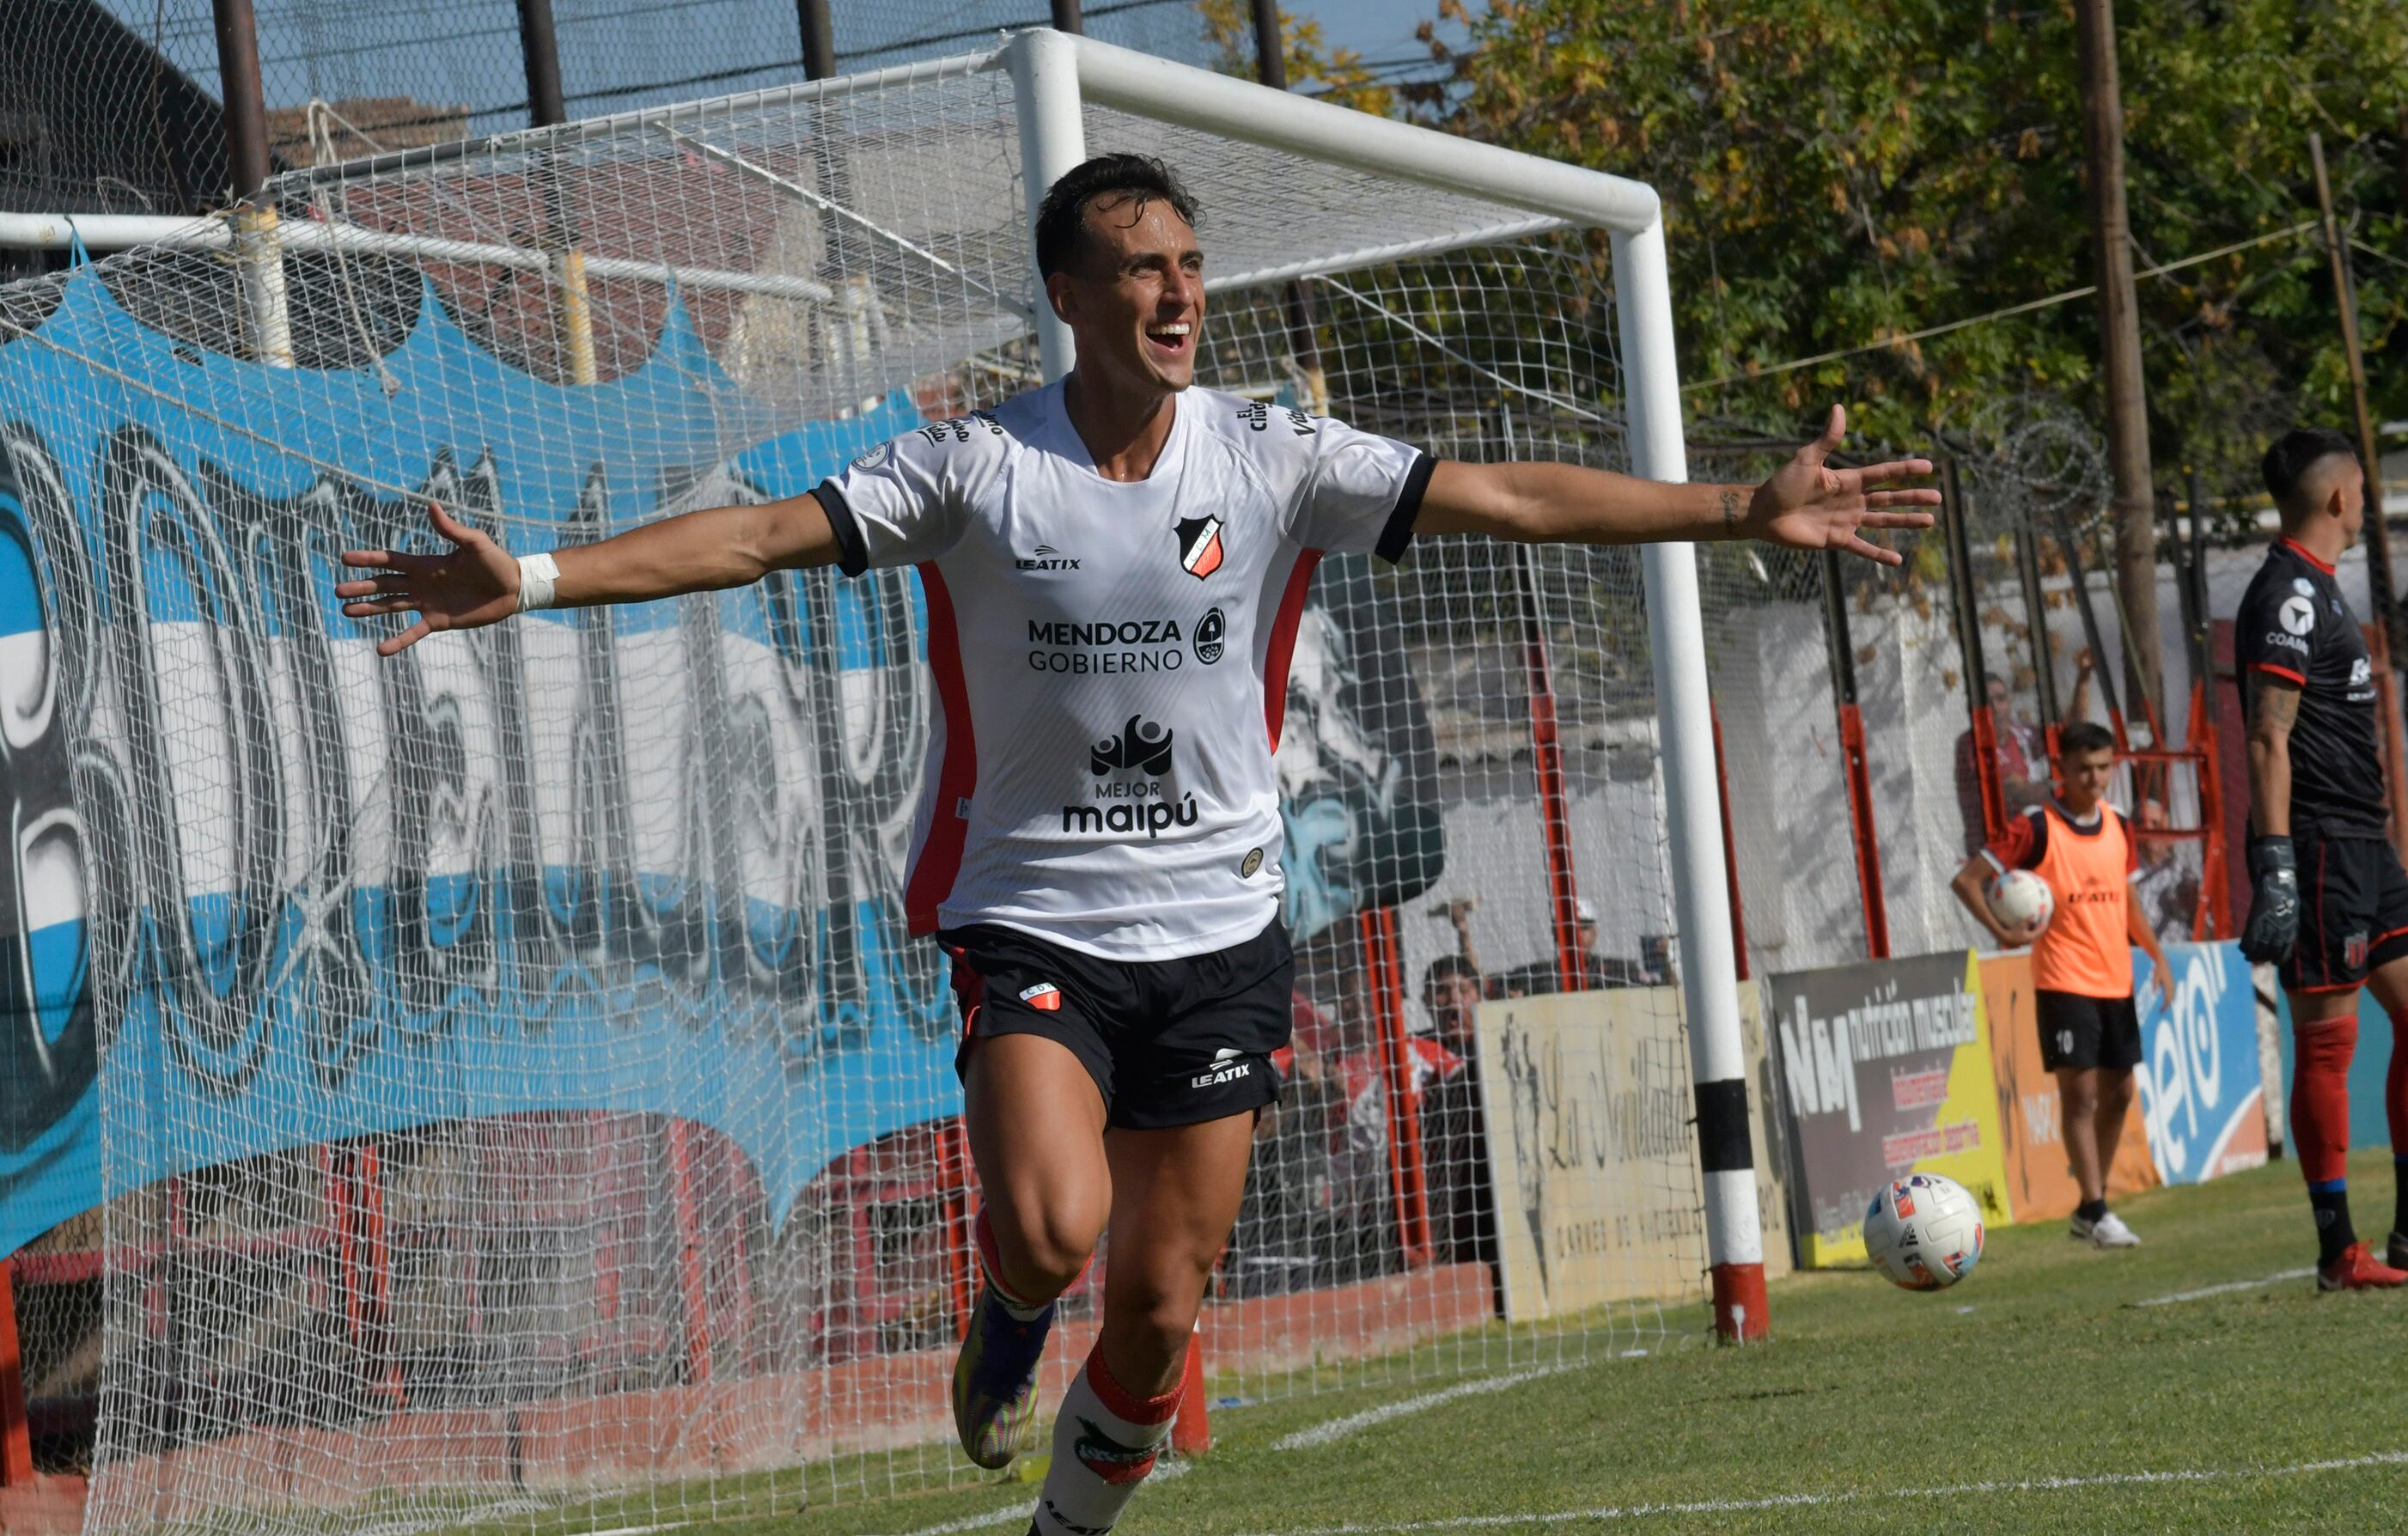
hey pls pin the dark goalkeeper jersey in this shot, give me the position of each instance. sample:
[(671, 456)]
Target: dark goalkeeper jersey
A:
[(2293, 624)]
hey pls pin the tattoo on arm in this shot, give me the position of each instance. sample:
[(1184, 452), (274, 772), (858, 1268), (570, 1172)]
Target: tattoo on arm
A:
[(1730, 513), (2274, 704)]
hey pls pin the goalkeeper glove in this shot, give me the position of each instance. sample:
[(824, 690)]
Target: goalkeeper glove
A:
[(2274, 901)]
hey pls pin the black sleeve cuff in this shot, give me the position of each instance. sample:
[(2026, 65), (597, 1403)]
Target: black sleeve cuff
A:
[(852, 551), (1399, 531)]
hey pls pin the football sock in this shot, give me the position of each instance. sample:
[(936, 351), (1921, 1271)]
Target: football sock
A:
[(2331, 1202), (1104, 1445), (1019, 1307), (2320, 1127), (2090, 1210)]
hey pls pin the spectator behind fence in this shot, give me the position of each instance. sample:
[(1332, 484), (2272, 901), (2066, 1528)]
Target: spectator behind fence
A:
[(1455, 1140), (2166, 887), (1597, 972), (2022, 755)]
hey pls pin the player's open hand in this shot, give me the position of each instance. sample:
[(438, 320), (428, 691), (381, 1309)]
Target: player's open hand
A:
[(474, 585), (1808, 505)]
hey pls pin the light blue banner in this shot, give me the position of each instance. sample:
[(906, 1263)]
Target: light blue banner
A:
[(289, 892), (2203, 1091)]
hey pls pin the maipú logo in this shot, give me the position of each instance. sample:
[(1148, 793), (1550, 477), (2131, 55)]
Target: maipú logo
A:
[(1141, 747)]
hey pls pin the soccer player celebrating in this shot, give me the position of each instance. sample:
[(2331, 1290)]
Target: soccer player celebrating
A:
[(2317, 807), (2081, 961), (1114, 566)]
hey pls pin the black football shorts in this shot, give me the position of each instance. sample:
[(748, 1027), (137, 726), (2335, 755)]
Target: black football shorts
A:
[(1168, 1043), (2079, 1032), (2353, 911)]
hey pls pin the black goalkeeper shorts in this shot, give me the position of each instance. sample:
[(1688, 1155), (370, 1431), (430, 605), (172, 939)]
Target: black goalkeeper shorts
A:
[(1168, 1043), (2353, 911)]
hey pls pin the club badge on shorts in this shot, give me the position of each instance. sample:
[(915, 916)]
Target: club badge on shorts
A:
[(2353, 950), (1044, 996)]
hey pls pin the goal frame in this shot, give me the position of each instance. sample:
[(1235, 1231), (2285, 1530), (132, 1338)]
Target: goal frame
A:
[(1055, 74)]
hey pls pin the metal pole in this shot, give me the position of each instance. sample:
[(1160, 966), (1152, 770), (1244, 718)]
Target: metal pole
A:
[(818, 39), (1854, 770), (1962, 601), (2036, 621), (539, 44), (1270, 46), (1053, 140), (246, 104), (259, 256), (1684, 726), (2378, 539), (1066, 18)]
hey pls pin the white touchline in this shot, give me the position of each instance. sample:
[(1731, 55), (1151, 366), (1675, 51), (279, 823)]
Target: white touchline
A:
[(1338, 1429), (2206, 1291), (1015, 1513), (1803, 1500)]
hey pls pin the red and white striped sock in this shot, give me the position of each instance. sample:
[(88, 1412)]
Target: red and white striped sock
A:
[(1104, 1445)]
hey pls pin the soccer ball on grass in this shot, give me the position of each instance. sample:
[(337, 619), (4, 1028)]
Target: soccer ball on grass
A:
[(1924, 1232), (2020, 896)]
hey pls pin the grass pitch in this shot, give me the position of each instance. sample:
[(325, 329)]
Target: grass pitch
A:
[(2043, 1394)]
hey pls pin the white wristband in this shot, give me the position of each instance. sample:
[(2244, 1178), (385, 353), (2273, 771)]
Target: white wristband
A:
[(536, 574)]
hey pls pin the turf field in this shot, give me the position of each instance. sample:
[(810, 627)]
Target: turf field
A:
[(2058, 1389)]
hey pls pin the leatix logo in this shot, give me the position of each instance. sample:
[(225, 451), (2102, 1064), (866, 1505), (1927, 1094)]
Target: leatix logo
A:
[(1136, 803), (1045, 557), (1227, 1066), (1200, 546)]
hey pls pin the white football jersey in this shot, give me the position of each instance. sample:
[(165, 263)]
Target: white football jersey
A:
[(1111, 658)]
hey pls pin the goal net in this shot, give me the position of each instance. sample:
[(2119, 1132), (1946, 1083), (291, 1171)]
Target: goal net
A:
[(506, 1084)]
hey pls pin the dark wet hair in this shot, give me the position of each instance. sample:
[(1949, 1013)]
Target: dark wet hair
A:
[(1061, 218)]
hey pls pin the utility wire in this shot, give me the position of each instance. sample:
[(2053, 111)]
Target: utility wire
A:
[(2054, 299)]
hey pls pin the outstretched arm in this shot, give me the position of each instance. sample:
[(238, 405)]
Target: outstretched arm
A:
[(1806, 504), (478, 582)]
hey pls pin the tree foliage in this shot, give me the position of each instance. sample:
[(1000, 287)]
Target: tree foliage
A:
[(1335, 74), (1838, 172)]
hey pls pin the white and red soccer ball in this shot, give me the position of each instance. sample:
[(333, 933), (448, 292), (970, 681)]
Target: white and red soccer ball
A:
[(2020, 896), (1924, 1231)]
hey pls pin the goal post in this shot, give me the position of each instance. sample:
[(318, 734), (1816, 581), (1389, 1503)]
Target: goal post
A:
[(1053, 71)]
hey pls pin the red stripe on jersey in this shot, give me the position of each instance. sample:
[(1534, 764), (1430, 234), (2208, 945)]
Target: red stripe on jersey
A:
[(2278, 671), (2309, 556), (939, 860), (1283, 646)]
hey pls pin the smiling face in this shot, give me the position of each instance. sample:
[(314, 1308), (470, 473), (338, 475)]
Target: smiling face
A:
[(1134, 297)]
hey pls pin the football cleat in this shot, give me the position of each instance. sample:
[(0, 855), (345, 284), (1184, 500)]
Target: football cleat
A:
[(994, 1380), (2355, 1269), (2108, 1231)]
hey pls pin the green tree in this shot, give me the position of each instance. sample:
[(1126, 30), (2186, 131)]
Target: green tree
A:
[(1836, 172), (1335, 74)]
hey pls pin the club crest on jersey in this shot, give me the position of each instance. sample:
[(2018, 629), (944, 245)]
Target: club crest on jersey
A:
[(1044, 996), (1200, 546)]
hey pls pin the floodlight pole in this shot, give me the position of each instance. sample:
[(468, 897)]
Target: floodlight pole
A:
[(1066, 16), (1685, 741)]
